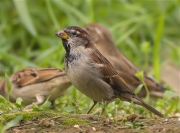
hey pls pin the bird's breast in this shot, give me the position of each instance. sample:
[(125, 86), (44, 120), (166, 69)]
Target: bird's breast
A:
[(87, 79)]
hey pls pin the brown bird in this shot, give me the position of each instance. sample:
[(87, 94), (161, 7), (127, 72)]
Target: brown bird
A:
[(36, 84), (104, 42), (91, 73)]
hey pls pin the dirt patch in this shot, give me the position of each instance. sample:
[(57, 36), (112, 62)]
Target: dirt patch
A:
[(94, 123)]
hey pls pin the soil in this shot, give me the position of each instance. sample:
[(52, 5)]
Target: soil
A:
[(55, 123)]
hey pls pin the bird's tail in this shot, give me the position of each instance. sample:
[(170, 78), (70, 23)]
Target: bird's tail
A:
[(139, 101)]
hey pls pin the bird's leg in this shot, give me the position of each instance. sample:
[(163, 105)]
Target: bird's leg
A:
[(104, 108), (40, 100), (102, 111), (95, 102)]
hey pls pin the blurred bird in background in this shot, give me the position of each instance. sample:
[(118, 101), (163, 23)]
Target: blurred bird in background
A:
[(36, 84)]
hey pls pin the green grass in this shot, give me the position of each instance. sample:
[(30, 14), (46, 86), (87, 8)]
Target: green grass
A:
[(147, 29)]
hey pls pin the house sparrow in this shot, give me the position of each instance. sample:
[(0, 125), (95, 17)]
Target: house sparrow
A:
[(91, 73), (36, 84), (103, 40)]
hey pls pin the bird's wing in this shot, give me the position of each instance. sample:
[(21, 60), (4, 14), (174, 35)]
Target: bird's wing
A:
[(33, 75), (110, 75)]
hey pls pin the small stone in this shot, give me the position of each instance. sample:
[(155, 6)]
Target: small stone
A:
[(76, 126), (45, 122), (166, 120), (52, 122), (93, 128), (107, 120)]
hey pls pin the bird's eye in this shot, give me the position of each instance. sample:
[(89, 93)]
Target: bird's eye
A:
[(74, 33)]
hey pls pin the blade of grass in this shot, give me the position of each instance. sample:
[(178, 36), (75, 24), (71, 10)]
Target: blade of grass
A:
[(46, 53), (16, 59), (140, 75), (8, 85), (91, 10), (138, 89), (64, 6), (51, 14), (132, 44), (12, 123), (24, 15), (127, 33), (156, 50), (128, 22), (173, 106)]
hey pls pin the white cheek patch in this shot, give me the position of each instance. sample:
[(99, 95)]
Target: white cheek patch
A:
[(73, 31)]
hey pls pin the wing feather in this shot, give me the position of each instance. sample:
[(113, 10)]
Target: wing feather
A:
[(110, 75), (33, 75)]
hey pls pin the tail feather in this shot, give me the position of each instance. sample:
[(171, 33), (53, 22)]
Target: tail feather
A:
[(139, 101)]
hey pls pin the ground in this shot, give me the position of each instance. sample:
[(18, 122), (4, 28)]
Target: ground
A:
[(82, 123)]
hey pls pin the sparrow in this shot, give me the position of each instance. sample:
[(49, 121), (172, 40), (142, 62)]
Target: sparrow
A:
[(103, 40), (91, 73), (36, 85)]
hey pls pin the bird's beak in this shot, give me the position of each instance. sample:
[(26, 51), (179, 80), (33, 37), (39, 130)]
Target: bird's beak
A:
[(62, 34)]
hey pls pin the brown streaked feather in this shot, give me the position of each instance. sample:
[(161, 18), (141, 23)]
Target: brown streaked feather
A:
[(118, 85), (107, 69), (82, 31), (109, 73), (32, 75)]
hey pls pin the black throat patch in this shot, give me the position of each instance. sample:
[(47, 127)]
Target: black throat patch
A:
[(70, 59), (66, 46)]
